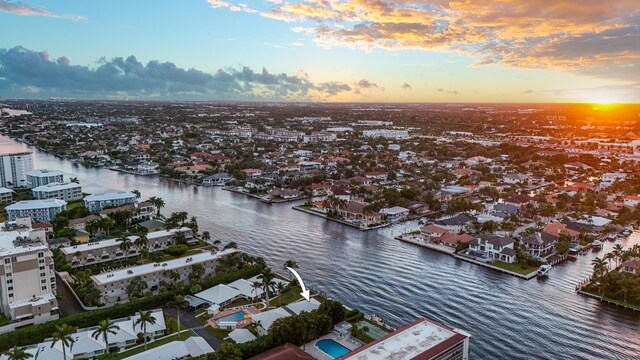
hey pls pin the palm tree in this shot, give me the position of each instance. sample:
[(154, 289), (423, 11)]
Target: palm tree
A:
[(74, 180), (158, 203), (267, 277), (104, 329), (608, 257), (63, 335), (617, 252), (255, 286), (136, 192), (107, 224), (216, 244), (125, 245), (18, 354), (290, 264), (599, 266), (146, 317), (280, 287), (141, 242), (627, 284), (179, 238), (179, 303), (206, 236)]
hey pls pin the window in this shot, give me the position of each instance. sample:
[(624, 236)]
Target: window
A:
[(44, 288), (7, 261), (10, 288), (41, 254), (40, 261), (43, 281), (41, 267), (14, 259)]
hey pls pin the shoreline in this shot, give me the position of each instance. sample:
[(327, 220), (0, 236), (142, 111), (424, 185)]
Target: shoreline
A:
[(452, 253), (311, 212)]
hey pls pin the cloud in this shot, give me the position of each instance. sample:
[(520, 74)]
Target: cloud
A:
[(406, 86), (217, 4), (23, 9), (25, 72), (453, 92), (529, 91), (589, 37)]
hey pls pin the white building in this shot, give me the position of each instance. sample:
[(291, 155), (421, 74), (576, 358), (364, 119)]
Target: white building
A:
[(62, 191), (423, 339), (41, 177), (109, 250), (113, 284), (386, 133), (495, 247), (85, 346), (14, 168), (192, 347), (396, 213), (27, 280), (6, 195), (37, 210), (97, 202), (632, 200)]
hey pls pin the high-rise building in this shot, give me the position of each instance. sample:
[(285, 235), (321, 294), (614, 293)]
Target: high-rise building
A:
[(14, 168), (27, 280)]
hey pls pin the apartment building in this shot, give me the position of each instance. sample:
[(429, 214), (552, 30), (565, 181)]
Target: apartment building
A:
[(113, 284), (27, 279), (386, 133), (55, 190), (14, 168), (97, 202), (41, 177), (109, 250), (37, 210), (6, 195)]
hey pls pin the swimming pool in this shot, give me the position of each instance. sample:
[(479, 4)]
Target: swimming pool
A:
[(237, 316), (332, 348)]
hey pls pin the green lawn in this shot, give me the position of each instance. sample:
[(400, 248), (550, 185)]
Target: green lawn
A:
[(219, 333), (74, 204), (515, 267), (287, 297), (154, 344)]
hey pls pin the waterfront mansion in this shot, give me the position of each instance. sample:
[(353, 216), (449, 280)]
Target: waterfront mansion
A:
[(495, 247), (109, 250)]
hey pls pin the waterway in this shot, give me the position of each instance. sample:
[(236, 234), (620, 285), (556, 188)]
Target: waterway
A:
[(507, 317)]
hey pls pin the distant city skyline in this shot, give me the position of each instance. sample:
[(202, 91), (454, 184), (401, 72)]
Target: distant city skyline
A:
[(318, 50)]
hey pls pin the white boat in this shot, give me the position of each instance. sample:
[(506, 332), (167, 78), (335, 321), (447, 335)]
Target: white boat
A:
[(543, 270), (597, 244)]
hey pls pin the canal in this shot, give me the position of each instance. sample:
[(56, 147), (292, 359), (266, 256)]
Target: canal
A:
[(507, 317)]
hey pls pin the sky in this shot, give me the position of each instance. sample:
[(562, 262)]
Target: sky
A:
[(322, 50)]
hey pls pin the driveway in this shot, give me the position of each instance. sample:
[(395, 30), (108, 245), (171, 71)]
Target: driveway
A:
[(187, 318)]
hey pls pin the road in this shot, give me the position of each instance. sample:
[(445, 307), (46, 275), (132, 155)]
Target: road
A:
[(188, 319)]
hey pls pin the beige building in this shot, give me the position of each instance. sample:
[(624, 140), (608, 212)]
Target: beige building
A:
[(27, 279), (109, 250), (113, 284)]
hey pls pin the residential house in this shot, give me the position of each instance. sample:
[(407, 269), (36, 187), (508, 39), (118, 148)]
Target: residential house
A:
[(495, 247), (631, 266), (395, 214), (457, 223), (539, 244)]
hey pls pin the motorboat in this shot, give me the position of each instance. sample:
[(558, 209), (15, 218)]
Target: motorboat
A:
[(597, 244), (612, 237), (543, 270)]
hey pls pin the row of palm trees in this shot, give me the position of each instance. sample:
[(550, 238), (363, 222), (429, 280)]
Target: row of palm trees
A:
[(64, 335), (268, 284), (619, 255)]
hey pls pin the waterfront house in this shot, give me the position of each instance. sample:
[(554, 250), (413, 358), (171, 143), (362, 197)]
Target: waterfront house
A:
[(495, 247), (355, 212), (253, 173), (433, 231), (631, 266), (395, 214), (555, 229), (219, 179), (285, 194), (267, 318), (319, 189), (452, 239), (539, 244), (457, 223)]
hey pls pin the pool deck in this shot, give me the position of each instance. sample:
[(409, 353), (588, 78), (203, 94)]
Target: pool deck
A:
[(312, 350), (239, 324)]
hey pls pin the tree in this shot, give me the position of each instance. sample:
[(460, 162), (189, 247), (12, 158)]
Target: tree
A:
[(179, 303), (136, 287), (158, 203), (141, 242), (228, 351), (136, 192), (618, 251), (18, 354), (104, 329), (266, 278), (290, 264), (334, 309), (145, 317), (197, 270), (206, 236), (74, 180), (280, 287), (231, 245), (255, 286), (179, 238), (107, 224), (63, 335), (125, 245), (599, 267)]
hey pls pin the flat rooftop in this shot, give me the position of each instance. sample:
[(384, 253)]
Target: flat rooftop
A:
[(422, 337), (44, 173), (36, 204), (140, 270), (116, 195), (56, 186), (96, 245), (7, 246)]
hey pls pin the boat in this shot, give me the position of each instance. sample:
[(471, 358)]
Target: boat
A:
[(612, 237), (543, 270), (597, 245), (627, 231)]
